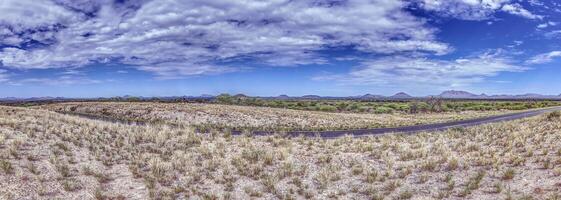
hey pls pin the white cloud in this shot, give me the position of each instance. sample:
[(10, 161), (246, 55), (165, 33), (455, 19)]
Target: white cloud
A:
[(517, 9), (173, 37), (475, 9), (24, 14), (553, 34), (177, 70), (546, 24), (544, 58), (61, 80), (408, 72)]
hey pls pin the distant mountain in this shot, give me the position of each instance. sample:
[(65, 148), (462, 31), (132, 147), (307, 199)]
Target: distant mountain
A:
[(44, 98), (530, 96), (449, 94), (240, 96), (311, 97), (9, 99), (206, 96), (371, 96), (401, 95), (454, 94)]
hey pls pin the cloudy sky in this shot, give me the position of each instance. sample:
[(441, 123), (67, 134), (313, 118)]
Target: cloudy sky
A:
[(90, 48)]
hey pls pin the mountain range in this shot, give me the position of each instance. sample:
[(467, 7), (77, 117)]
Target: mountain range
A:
[(453, 94), (450, 94)]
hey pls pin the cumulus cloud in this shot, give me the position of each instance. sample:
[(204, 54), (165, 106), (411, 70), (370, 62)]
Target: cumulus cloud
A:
[(414, 72), (475, 9), (173, 37), (544, 58)]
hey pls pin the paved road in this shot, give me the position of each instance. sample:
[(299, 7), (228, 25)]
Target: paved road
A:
[(413, 129), (375, 131)]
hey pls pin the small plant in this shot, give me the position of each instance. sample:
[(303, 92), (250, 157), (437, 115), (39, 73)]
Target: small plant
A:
[(473, 183), (509, 174), (64, 170), (371, 176), (557, 171), (99, 195), (268, 158), (391, 186), (423, 178), (546, 163), (552, 116), (86, 170), (452, 164), (372, 192), (269, 182), (497, 188), (450, 185), (405, 194), (429, 165), (33, 168), (6, 166), (102, 177), (71, 185), (357, 170), (252, 192)]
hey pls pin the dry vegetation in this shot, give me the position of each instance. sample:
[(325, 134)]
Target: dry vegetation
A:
[(46, 155), (211, 116)]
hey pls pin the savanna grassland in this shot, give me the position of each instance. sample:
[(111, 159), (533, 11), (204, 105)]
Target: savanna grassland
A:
[(48, 155), (218, 116)]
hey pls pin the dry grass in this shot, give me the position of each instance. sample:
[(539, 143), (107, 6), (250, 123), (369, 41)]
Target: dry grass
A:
[(45, 155), (212, 116)]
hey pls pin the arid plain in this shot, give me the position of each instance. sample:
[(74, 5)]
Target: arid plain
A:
[(51, 155)]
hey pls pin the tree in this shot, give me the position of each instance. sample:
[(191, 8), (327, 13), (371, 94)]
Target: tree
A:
[(435, 104), (414, 107), (225, 99)]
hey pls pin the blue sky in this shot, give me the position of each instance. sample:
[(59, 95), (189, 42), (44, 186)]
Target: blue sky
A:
[(86, 48)]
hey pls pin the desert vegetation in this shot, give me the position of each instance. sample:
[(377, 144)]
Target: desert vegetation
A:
[(47, 155), (215, 116), (386, 106)]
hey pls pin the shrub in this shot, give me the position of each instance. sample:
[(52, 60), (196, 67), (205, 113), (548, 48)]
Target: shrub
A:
[(383, 110), (327, 108), (553, 116)]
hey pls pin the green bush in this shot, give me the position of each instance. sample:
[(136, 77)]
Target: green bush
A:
[(354, 106), (423, 107), (363, 109), (383, 110), (327, 108)]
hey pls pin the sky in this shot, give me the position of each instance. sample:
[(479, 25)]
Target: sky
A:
[(103, 48)]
